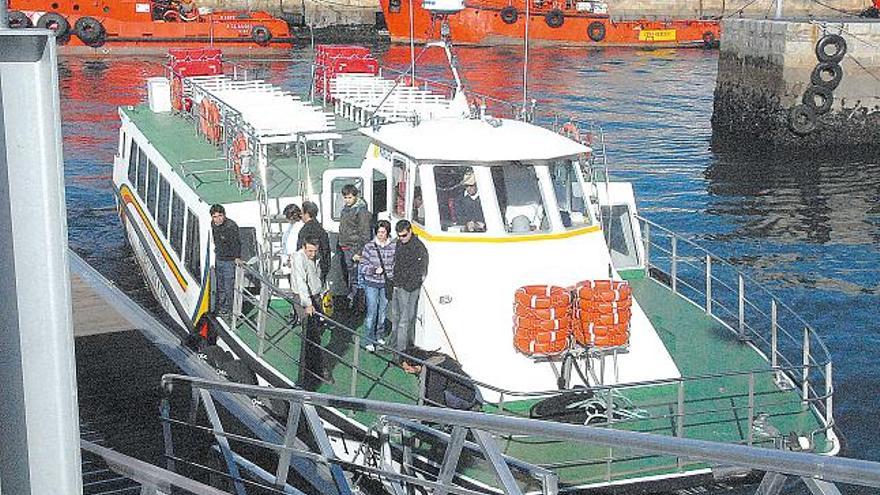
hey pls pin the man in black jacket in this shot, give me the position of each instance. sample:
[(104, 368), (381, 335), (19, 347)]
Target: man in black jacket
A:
[(446, 383), (312, 228), (227, 250), (410, 269)]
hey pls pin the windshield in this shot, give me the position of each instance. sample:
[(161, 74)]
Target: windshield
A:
[(569, 194), (519, 198)]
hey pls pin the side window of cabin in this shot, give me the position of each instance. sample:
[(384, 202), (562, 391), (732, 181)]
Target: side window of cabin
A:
[(193, 258), (621, 238), (336, 196), (458, 205), (133, 164), (177, 213), (569, 194), (398, 188), (162, 206), (152, 189), (519, 198), (418, 204), (142, 174)]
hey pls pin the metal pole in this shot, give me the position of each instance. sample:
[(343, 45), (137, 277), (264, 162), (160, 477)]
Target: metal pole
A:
[(412, 45), (526, 62), (751, 407), (741, 299), (778, 9), (774, 337), (829, 395), (39, 432), (708, 284), (806, 373), (674, 268), (647, 249), (4, 14)]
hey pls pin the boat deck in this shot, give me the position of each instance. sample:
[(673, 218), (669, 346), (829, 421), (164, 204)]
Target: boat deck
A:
[(716, 407), (203, 165)]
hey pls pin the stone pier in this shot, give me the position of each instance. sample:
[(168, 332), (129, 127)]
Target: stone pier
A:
[(772, 89)]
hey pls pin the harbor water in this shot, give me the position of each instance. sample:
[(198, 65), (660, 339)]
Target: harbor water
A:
[(807, 229)]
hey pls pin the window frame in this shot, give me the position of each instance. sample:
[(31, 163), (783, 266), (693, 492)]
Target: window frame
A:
[(192, 249), (175, 237), (133, 151)]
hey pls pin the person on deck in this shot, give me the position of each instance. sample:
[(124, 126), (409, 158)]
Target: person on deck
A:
[(377, 266), (410, 269), (468, 210), (306, 282), (446, 383), (289, 238), (227, 251), (312, 228), (354, 233)]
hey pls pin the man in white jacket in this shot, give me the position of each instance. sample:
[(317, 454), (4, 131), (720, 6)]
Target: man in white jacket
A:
[(305, 280)]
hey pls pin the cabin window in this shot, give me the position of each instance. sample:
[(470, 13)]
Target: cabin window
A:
[(152, 189), (418, 203), (193, 259), (177, 213), (336, 186), (162, 207), (519, 198), (621, 239), (133, 163), (458, 199), (398, 188), (569, 194), (142, 174), (380, 193)]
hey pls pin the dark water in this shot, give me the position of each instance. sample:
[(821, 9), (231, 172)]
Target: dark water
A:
[(808, 230)]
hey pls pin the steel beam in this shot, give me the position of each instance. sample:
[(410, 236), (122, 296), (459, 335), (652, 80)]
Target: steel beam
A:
[(450, 459), (819, 487), (771, 484), (222, 441), (499, 465)]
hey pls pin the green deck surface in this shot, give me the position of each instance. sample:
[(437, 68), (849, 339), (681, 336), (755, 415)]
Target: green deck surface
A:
[(203, 166), (715, 408)]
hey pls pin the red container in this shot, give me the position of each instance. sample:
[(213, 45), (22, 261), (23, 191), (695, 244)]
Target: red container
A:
[(188, 62)]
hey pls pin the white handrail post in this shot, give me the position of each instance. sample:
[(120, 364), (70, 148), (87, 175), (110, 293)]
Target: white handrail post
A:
[(829, 395), (356, 363), (708, 284), (806, 371), (751, 408), (261, 318), (774, 336), (741, 299), (647, 249), (674, 268)]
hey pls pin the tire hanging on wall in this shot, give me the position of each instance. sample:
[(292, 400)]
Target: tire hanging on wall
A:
[(822, 69), (555, 18), (596, 31), (709, 39), (801, 120), (831, 40), (90, 31), (509, 15), (261, 35), (19, 20), (822, 94), (55, 22)]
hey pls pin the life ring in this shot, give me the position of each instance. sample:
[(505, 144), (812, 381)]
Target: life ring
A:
[(549, 313), (543, 336), (57, 23), (818, 77), (604, 307), (240, 146), (613, 318), (827, 41), (802, 120), (615, 292), (538, 324), (203, 116), (596, 31), (532, 347), (261, 35), (509, 14), (571, 131), (822, 94), (542, 296), (176, 94), (555, 18), (90, 31), (19, 20)]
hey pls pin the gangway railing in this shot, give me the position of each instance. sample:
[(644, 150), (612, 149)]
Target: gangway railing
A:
[(384, 460), (795, 351)]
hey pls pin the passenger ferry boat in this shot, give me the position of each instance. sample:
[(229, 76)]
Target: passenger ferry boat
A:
[(142, 24), (572, 23), (706, 353)]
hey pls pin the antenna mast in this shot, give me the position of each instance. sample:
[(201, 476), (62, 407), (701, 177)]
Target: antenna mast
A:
[(525, 85)]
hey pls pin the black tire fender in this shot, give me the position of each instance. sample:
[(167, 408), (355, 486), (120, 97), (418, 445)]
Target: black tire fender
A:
[(55, 22), (801, 120), (822, 70), (555, 18), (596, 31), (19, 20), (709, 39), (261, 35), (90, 31), (818, 99), (509, 14), (831, 40)]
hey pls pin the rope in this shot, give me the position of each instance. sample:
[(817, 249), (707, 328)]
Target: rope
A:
[(829, 7)]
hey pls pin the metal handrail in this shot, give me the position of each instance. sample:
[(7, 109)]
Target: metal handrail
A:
[(813, 466)]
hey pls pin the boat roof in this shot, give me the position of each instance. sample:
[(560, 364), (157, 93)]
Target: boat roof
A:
[(202, 165), (475, 140)]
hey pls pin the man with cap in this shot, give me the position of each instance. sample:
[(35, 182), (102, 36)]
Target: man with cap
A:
[(468, 210)]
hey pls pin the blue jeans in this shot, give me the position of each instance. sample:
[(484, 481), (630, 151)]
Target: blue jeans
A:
[(374, 322), (225, 270)]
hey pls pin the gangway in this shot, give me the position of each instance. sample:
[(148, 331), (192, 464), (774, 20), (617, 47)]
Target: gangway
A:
[(397, 467)]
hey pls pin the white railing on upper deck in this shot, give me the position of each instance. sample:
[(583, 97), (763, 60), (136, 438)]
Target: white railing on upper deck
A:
[(364, 97)]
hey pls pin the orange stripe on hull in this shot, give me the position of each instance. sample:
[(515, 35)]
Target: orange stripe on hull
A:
[(483, 25)]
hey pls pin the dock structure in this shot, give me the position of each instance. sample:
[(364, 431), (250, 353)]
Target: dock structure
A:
[(799, 84)]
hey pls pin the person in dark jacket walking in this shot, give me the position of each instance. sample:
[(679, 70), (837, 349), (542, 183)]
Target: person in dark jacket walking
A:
[(354, 233), (312, 228), (446, 383), (410, 269), (227, 250)]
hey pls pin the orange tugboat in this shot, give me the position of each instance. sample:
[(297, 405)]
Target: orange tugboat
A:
[(145, 23), (567, 22)]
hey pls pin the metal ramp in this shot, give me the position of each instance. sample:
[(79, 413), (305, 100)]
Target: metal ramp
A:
[(389, 456)]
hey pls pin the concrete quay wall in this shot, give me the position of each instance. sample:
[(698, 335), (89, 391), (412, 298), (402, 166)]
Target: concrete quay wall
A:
[(764, 70)]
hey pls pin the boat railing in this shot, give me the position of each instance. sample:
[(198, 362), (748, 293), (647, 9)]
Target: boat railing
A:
[(400, 452), (755, 316), (263, 311)]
